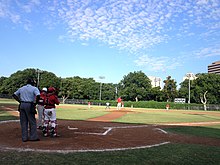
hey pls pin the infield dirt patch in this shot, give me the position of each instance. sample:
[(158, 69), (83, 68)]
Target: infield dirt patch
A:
[(97, 134)]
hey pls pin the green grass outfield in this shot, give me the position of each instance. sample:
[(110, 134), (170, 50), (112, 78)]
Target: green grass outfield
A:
[(166, 154)]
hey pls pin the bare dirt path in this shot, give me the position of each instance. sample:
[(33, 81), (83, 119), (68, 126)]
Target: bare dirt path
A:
[(112, 115)]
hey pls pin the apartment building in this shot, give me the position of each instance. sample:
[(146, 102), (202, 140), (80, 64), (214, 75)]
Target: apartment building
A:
[(214, 67), (155, 81)]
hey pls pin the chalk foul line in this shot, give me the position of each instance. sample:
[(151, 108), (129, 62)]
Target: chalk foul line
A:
[(86, 150)]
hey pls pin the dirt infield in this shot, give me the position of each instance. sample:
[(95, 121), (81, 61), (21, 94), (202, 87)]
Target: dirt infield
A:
[(98, 134)]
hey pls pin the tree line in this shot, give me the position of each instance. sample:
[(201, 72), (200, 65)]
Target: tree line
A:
[(135, 86)]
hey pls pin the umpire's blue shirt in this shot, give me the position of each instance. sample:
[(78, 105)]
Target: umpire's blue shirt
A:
[(27, 93)]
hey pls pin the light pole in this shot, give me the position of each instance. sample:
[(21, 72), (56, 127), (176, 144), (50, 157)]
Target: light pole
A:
[(190, 76), (100, 91), (116, 92), (38, 76), (189, 91)]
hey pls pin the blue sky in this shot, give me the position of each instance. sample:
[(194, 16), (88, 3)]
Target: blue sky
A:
[(92, 38)]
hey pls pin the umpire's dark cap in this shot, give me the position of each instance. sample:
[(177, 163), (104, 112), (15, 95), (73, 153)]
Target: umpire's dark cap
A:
[(30, 81)]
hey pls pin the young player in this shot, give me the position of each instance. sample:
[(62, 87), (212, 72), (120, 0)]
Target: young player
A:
[(107, 105), (50, 102), (40, 108), (119, 100)]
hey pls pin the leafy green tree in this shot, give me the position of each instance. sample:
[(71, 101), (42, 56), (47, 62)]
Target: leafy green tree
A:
[(108, 91), (133, 85), (2, 79), (204, 82), (184, 90), (169, 89), (2, 90), (82, 88), (47, 79), (89, 87), (210, 83), (65, 88), (79, 88), (156, 94), (18, 79)]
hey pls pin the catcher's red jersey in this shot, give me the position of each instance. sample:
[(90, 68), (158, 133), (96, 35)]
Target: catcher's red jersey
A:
[(50, 101)]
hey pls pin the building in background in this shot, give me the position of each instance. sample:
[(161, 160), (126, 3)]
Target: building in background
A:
[(155, 81), (214, 67)]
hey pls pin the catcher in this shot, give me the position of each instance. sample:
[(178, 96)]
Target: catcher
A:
[(50, 122)]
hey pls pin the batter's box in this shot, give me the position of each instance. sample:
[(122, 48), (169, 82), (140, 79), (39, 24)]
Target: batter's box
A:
[(104, 131), (90, 131)]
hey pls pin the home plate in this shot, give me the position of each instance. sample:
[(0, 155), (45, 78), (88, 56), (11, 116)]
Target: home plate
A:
[(70, 128)]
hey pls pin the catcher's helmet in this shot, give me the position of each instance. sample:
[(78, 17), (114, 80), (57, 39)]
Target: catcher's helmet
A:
[(51, 89)]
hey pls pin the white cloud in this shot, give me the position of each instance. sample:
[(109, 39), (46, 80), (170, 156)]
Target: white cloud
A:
[(157, 64), (116, 24), (202, 2), (15, 18), (16, 11), (131, 25), (208, 52), (137, 25), (146, 23)]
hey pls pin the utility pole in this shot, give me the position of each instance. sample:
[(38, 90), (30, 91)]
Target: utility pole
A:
[(38, 76)]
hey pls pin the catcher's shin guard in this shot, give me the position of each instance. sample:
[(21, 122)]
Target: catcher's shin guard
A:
[(45, 129), (53, 130)]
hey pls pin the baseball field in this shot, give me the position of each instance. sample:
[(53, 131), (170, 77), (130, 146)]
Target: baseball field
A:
[(108, 136)]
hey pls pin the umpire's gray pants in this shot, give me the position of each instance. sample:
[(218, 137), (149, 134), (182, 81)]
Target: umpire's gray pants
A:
[(27, 117)]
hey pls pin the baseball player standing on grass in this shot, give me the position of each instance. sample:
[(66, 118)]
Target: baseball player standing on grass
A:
[(40, 108), (27, 96), (107, 105), (119, 100), (50, 102)]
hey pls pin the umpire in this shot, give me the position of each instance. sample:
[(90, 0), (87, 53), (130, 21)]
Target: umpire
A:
[(27, 96)]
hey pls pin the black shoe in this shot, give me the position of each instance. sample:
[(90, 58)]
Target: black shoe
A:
[(35, 140), (54, 135), (45, 135)]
